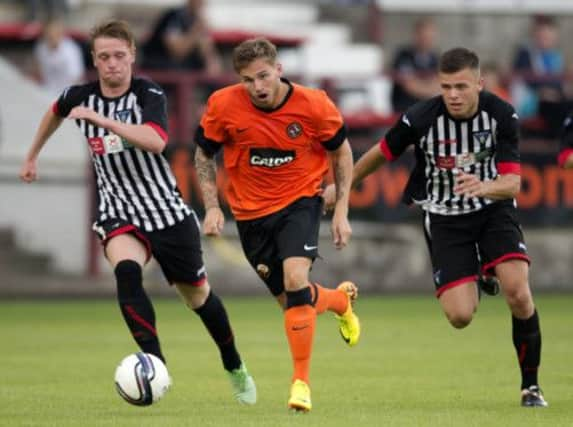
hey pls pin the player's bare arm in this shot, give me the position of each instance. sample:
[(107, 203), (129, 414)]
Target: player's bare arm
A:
[(341, 160), (368, 163), (50, 122), (206, 168), (504, 187), (142, 136)]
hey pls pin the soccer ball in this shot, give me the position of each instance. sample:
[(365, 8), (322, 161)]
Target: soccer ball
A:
[(142, 379)]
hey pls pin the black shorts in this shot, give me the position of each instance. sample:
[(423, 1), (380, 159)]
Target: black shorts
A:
[(177, 249), (461, 244), (290, 232)]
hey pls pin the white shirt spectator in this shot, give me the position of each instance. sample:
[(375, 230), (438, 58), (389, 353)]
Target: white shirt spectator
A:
[(60, 66)]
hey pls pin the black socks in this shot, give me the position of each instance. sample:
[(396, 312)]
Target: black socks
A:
[(136, 307), (215, 319), (527, 343)]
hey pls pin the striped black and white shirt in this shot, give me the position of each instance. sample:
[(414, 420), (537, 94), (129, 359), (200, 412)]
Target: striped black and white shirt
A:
[(135, 185), (485, 145)]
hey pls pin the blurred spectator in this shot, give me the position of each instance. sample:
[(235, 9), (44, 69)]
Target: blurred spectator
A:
[(565, 156), (540, 64), (37, 10), (568, 82), (181, 40), (541, 56), (493, 82), (59, 60), (415, 67)]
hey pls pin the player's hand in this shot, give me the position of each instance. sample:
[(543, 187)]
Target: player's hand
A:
[(84, 113), (213, 222), (469, 185), (340, 229), (329, 198), (28, 171)]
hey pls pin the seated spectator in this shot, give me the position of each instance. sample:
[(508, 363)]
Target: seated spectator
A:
[(59, 59), (181, 40), (540, 64), (492, 81), (415, 67)]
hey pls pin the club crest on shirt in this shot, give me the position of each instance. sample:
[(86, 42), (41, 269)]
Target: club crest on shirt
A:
[(482, 136), (293, 130), (123, 115)]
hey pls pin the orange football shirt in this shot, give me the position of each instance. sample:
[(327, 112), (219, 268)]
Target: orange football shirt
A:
[(272, 158)]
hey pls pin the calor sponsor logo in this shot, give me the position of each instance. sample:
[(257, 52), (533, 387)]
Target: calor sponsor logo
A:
[(270, 157)]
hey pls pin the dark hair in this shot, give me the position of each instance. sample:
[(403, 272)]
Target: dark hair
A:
[(251, 50), (544, 20), (115, 29), (457, 59)]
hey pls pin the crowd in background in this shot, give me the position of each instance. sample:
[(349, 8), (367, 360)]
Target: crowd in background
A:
[(180, 39)]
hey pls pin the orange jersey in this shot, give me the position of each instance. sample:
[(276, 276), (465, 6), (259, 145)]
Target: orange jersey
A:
[(274, 157)]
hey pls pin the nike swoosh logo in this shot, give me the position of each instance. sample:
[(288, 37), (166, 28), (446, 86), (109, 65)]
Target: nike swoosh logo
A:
[(309, 248), (299, 328), (241, 130), (346, 339)]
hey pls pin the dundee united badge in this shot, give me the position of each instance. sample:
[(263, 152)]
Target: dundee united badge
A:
[(293, 130)]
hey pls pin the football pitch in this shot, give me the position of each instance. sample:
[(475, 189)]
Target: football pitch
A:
[(409, 369)]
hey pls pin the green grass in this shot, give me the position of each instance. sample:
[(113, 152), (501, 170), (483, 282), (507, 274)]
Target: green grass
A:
[(410, 368)]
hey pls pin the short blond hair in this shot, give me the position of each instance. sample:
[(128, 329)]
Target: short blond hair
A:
[(252, 49), (116, 29)]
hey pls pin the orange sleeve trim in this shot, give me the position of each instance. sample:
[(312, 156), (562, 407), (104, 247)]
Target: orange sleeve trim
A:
[(505, 168), (386, 150), (563, 156), (159, 130)]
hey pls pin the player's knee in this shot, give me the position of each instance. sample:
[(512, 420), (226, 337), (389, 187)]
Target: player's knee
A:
[(518, 296), (459, 320), (128, 274), (295, 280), (194, 296)]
